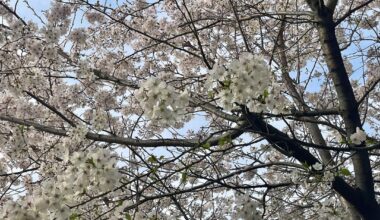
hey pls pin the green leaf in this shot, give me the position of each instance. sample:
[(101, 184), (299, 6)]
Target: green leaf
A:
[(128, 216), (183, 177), (153, 159), (224, 140), (226, 84), (261, 99), (154, 170), (211, 94), (206, 146), (370, 141), (265, 94), (74, 216), (305, 165), (91, 161), (345, 172)]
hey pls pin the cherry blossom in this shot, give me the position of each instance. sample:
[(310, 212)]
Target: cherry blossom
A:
[(189, 109), (358, 137)]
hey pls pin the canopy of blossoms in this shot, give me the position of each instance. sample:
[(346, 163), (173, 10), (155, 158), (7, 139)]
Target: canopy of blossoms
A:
[(198, 109)]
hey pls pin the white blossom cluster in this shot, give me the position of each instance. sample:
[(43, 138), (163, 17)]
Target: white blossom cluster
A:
[(358, 137), (35, 48), (317, 166), (84, 70), (94, 17), (59, 12), (246, 81), (15, 211), (18, 137), (246, 209), (77, 134), (161, 101), (329, 209), (91, 170), (99, 120), (295, 176), (78, 36), (52, 34), (328, 176), (88, 172)]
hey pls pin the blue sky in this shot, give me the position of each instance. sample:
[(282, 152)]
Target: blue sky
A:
[(26, 13)]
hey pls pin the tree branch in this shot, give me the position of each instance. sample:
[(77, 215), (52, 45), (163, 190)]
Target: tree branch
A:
[(52, 108), (212, 141)]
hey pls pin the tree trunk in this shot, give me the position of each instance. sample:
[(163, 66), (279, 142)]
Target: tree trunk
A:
[(367, 207)]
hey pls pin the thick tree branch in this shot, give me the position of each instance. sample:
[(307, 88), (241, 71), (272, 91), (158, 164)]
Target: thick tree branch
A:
[(347, 102), (212, 141), (279, 139), (290, 148)]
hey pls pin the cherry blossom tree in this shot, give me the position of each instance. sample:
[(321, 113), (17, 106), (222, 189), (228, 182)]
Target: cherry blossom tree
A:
[(199, 109)]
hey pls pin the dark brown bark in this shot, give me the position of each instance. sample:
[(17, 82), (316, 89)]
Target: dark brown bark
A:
[(279, 140), (364, 200), (367, 207), (313, 128)]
